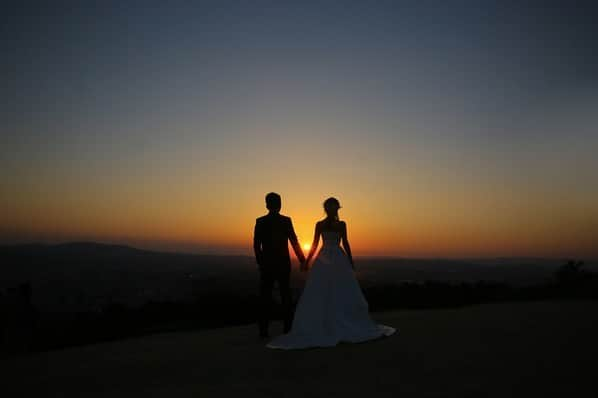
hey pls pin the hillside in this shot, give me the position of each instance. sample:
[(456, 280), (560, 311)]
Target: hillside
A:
[(87, 276), (494, 350)]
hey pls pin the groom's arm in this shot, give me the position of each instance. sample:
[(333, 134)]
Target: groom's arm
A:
[(257, 243), (295, 242)]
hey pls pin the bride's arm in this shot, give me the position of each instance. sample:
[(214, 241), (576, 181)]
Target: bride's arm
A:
[(345, 243), (314, 245)]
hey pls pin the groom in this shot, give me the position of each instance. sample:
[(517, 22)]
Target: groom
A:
[(270, 244)]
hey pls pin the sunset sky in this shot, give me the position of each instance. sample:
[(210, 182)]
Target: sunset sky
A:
[(458, 130)]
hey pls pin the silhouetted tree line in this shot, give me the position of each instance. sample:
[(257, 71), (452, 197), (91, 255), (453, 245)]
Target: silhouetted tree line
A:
[(19, 319), (23, 329), (570, 281), (117, 321)]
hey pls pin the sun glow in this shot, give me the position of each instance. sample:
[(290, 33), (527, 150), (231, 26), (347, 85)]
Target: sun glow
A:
[(306, 246)]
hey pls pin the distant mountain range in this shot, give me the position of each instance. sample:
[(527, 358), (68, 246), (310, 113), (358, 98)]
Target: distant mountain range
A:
[(35, 260), (80, 256), (80, 275), (84, 273)]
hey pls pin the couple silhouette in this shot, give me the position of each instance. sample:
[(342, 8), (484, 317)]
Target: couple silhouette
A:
[(331, 308)]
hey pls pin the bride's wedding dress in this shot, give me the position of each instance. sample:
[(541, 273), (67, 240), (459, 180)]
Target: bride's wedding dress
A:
[(332, 307)]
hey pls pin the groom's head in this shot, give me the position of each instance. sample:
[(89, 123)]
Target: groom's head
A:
[(273, 202)]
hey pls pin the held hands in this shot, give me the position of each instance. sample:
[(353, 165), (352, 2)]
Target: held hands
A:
[(303, 266)]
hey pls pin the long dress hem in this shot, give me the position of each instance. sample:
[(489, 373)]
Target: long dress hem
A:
[(332, 308)]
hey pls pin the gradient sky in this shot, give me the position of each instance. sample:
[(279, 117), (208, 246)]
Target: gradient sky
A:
[(452, 130)]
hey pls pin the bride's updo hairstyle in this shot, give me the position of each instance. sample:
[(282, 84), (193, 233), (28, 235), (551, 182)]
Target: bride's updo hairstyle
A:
[(331, 206)]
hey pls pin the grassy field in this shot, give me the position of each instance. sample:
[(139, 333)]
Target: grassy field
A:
[(493, 350)]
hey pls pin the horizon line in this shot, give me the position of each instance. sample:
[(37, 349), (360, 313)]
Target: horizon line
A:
[(221, 253)]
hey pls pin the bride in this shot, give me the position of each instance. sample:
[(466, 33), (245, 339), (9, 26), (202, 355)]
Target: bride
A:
[(332, 307)]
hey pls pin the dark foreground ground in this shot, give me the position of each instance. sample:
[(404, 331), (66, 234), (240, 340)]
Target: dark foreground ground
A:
[(492, 350)]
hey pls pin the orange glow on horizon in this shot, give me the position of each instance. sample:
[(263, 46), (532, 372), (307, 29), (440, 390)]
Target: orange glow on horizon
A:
[(412, 235), (459, 221)]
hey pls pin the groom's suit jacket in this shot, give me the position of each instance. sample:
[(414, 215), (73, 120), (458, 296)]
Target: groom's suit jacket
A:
[(270, 241)]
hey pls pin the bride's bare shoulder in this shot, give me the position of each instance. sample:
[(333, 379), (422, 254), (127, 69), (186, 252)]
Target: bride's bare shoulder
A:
[(331, 225), (322, 225)]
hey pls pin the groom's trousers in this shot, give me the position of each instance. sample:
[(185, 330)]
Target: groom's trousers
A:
[(268, 277)]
